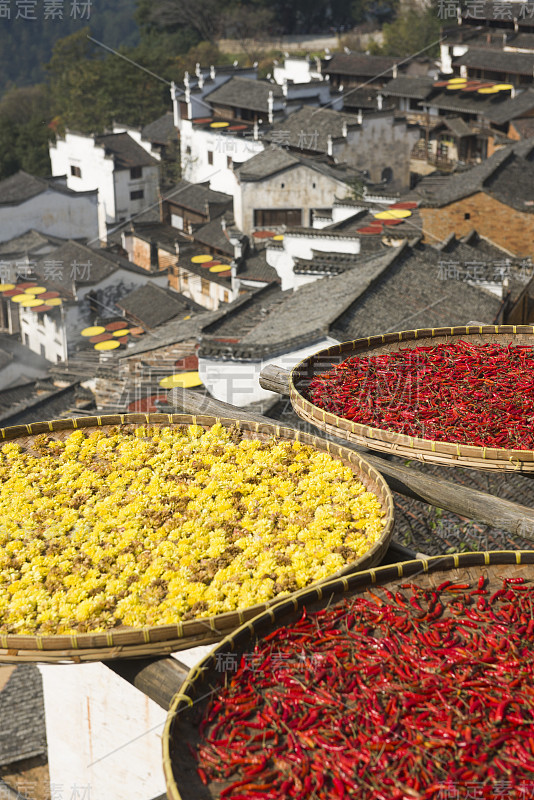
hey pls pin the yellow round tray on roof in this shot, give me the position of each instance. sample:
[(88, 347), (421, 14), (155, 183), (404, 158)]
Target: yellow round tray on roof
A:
[(394, 213), (35, 290), (94, 330), (31, 302), (201, 259), (6, 287), (109, 345), (185, 380)]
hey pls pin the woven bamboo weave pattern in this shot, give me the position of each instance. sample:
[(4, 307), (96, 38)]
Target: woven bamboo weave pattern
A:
[(181, 728), (129, 642), (379, 439)]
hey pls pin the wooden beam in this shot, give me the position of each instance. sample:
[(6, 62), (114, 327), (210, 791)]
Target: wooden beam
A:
[(462, 500), (158, 678)]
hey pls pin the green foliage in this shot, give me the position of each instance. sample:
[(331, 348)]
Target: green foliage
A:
[(411, 32), (24, 131), (357, 189), (26, 45)]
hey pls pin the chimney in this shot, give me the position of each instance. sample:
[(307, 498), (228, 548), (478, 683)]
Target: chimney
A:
[(330, 145), (344, 129), (212, 72), (270, 105), (175, 105), (256, 130), (197, 70), (379, 100), (359, 117), (186, 79), (201, 81)]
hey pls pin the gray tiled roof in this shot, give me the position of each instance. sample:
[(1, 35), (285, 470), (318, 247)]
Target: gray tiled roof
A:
[(525, 127), (496, 61), (29, 242), (173, 332), (309, 128), (245, 93), (407, 86), (457, 127), (465, 102), (22, 186), (153, 305), (493, 175), (23, 732), (518, 106), (411, 295), (313, 308), (212, 234), (256, 268), (244, 314), (101, 264), (195, 196), (264, 164), (276, 159), (162, 130), (360, 65), (125, 151)]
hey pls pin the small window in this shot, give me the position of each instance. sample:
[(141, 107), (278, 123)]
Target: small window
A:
[(43, 350), (188, 150), (58, 357), (76, 171), (387, 174), (467, 216), (210, 157), (137, 195), (314, 185), (136, 173), (229, 162), (282, 185)]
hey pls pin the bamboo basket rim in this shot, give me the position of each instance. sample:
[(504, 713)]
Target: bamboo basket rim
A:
[(431, 450), (185, 697), (154, 640)]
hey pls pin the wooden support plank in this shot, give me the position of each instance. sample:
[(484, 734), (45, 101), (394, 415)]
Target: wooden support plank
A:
[(462, 500), (158, 678)]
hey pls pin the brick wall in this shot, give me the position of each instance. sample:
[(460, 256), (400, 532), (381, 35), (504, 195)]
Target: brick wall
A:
[(141, 253), (511, 229)]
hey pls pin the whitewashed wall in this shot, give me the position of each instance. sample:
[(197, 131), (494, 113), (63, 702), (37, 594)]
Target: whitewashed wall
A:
[(195, 166), (54, 213), (237, 382)]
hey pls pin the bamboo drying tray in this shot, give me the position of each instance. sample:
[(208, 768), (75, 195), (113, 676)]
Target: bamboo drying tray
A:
[(181, 728), (151, 641), (426, 450)]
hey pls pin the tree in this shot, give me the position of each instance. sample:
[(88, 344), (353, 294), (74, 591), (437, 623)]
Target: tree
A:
[(412, 31), (250, 25)]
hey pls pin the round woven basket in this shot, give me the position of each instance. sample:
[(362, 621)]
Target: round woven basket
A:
[(427, 450), (129, 642), (186, 710)]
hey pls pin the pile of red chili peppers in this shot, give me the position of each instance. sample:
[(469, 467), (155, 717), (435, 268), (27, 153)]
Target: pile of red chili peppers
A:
[(390, 696), (459, 392)]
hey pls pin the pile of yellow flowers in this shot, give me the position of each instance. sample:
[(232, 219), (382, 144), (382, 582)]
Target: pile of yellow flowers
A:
[(147, 526)]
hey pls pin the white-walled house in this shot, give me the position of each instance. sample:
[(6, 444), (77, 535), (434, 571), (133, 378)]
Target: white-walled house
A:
[(125, 174), (210, 154), (299, 69), (282, 188), (48, 205), (89, 283)]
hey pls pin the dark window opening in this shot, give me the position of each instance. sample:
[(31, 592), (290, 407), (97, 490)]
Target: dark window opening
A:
[(76, 171), (229, 162), (137, 195), (387, 174), (210, 157), (263, 217), (136, 173), (467, 216)]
